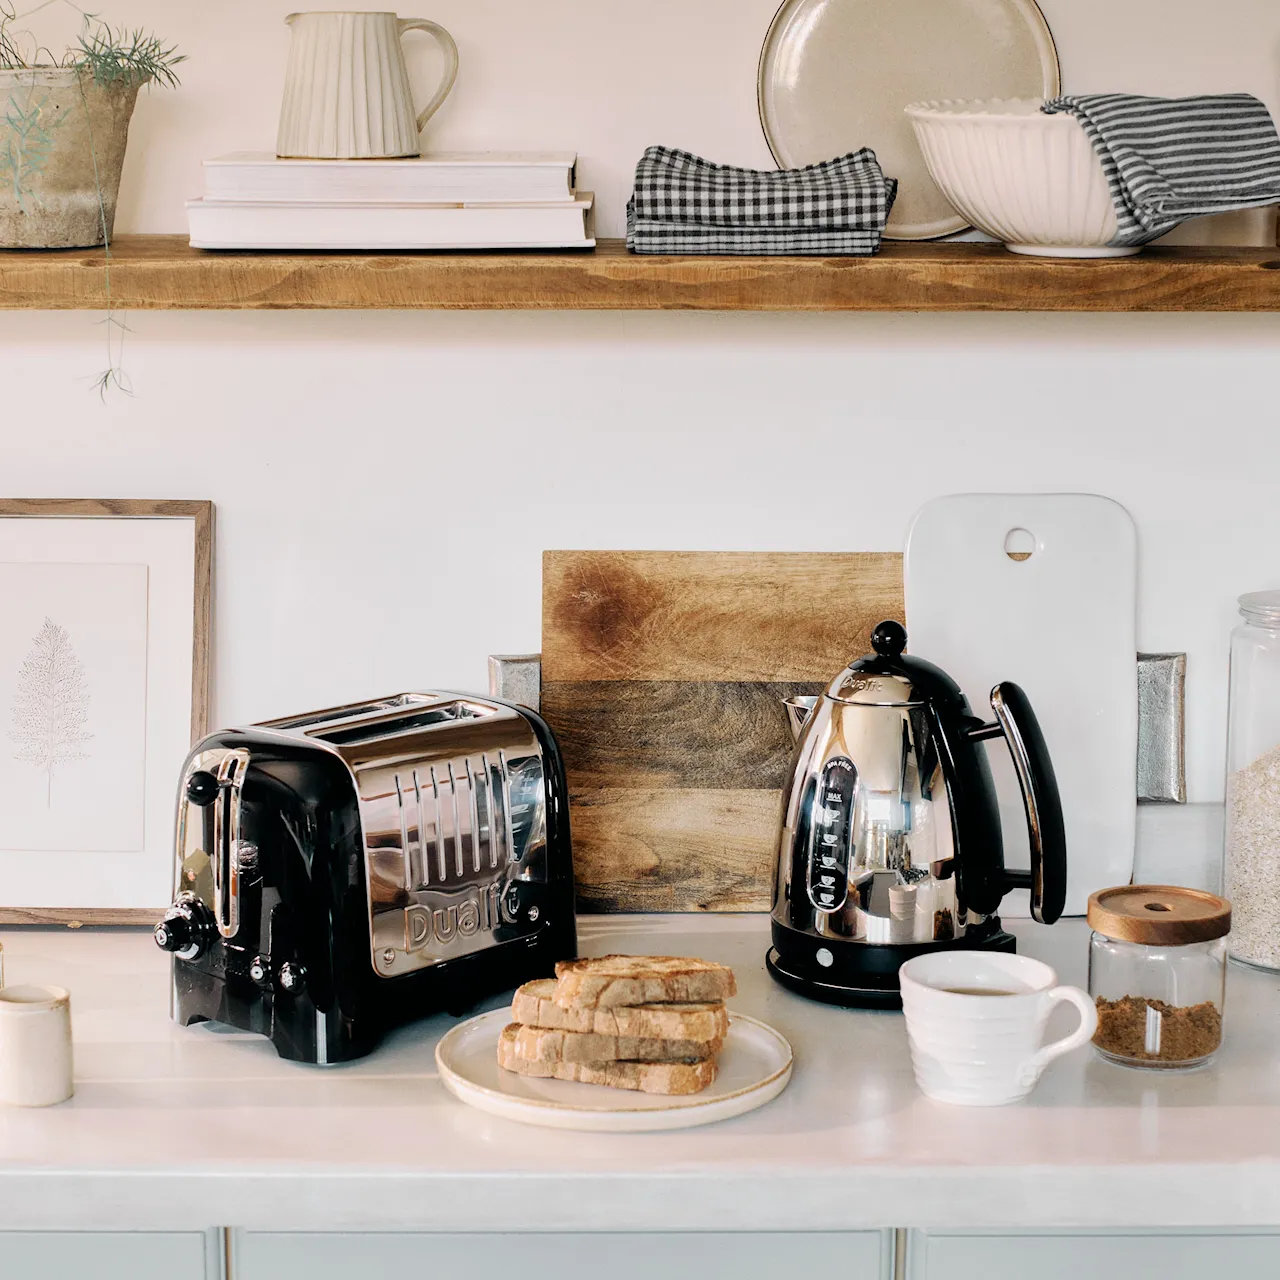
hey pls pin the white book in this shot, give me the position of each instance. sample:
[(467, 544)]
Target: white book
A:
[(442, 175), (238, 224)]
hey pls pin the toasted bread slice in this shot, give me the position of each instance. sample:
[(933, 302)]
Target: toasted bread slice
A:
[(609, 981), (670, 1078), (540, 1044), (535, 1005)]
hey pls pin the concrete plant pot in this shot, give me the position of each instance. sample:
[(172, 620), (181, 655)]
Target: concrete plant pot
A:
[(62, 141)]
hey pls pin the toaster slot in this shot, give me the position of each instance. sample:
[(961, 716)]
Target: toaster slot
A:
[(445, 713), (357, 710)]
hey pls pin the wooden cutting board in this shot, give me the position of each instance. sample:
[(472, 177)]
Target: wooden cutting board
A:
[(662, 676)]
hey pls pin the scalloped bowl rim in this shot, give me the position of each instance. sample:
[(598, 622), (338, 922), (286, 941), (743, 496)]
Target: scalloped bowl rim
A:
[(987, 110)]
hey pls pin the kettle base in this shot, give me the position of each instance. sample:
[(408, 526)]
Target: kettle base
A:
[(871, 980)]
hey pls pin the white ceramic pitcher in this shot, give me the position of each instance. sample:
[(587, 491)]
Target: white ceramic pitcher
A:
[(346, 93)]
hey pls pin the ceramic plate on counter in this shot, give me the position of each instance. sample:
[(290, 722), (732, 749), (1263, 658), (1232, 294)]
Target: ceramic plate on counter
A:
[(755, 1066), (835, 75)]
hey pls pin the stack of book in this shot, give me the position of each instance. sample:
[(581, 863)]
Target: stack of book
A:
[(448, 200)]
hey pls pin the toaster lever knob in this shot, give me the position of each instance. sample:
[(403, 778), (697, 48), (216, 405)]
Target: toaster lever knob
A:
[(202, 788)]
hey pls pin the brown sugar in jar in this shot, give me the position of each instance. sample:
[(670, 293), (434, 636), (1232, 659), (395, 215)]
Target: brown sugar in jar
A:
[(1157, 972)]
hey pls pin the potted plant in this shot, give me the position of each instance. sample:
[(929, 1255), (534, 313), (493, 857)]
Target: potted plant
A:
[(64, 123)]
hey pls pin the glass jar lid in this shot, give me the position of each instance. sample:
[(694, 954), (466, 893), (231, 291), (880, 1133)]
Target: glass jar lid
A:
[(1262, 608), (1159, 915)]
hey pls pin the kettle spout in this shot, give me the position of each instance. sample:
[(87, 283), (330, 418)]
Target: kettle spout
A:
[(799, 708)]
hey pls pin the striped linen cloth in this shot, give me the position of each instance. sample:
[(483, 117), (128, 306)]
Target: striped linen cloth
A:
[(1170, 159), (685, 204)]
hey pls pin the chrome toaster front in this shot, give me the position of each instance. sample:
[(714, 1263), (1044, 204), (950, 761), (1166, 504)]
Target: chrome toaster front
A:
[(453, 809)]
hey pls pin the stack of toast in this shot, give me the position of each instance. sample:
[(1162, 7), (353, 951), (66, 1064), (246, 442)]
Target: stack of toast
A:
[(651, 1023)]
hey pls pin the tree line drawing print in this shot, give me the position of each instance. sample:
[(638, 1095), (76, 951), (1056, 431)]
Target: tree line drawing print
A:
[(51, 705)]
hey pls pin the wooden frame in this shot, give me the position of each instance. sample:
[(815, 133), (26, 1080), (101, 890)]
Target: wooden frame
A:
[(202, 514)]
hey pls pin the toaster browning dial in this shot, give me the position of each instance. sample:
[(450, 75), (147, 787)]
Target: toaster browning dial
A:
[(830, 834), (187, 928)]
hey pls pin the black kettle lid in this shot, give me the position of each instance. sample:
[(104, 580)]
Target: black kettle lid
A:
[(889, 676)]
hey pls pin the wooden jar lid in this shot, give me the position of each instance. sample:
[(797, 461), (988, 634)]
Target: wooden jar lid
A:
[(1159, 915)]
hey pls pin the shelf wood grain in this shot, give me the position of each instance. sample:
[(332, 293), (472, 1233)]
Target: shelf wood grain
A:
[(158, 273)]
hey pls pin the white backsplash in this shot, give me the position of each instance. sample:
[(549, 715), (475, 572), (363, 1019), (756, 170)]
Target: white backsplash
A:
[(386, 482)]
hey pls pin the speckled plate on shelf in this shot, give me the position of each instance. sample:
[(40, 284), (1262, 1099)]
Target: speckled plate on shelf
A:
[(755, 1066), (836, 75)]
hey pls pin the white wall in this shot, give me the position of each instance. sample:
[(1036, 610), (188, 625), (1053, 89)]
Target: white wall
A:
[(386, 482)]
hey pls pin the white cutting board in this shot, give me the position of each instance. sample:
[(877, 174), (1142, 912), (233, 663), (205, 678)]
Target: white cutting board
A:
[(1061, 623)]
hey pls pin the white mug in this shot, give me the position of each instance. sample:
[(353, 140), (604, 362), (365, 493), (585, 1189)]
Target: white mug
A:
[(346, 89), (976, 1020), (35, 1046)]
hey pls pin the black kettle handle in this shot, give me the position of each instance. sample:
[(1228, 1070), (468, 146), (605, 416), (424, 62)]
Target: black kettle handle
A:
[(1047, 878)]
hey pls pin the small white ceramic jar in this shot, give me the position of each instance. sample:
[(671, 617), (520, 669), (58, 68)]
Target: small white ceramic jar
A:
[(35, 1046)]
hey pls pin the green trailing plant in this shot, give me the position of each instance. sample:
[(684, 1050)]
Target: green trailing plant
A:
[(112, 55), (108, 56)]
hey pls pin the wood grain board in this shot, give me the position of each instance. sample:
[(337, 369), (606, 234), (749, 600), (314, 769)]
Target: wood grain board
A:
[(150, 273), (663, 675)]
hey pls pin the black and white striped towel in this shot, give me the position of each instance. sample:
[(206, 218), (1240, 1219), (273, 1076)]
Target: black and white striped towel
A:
[(1170, 159), (684, 204)]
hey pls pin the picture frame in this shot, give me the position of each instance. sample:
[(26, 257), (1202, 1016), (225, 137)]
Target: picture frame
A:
[(105, 635)]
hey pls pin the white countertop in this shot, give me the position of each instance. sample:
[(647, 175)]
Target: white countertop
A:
[(192, 1127)]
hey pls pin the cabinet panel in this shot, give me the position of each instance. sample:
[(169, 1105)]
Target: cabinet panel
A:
[(1070, 1255), (743, 1255), (110, 1255)]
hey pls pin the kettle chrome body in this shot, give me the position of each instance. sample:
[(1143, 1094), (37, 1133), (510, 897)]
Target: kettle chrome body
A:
[(890, 842)]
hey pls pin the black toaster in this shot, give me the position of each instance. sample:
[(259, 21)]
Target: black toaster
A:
[(342, 872)]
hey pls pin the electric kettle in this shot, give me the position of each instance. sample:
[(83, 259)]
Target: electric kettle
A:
[(890, 844)]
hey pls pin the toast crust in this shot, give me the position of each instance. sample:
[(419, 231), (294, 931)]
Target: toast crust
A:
[(607, 982), (534, 1005), (672, 1079)]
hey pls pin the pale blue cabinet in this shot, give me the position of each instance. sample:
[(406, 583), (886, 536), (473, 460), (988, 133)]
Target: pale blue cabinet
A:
[(1089, 1255), (111, 1255), (739, 1255)]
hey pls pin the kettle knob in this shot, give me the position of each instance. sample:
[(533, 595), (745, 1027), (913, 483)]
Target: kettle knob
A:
[(889, 639)]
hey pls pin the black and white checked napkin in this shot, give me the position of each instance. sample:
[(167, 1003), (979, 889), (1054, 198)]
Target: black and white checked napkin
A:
[(1170, 159), (684, 204)]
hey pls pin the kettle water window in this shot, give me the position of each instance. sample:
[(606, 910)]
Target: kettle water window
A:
[(831, 834)]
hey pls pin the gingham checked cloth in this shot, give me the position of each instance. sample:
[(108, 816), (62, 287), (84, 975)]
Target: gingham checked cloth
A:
[(1170, 159), (684, 204)]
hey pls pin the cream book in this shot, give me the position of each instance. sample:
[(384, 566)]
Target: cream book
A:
[(436, 176), (233, 224)]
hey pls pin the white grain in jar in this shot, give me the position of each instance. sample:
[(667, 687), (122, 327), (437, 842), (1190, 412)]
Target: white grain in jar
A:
[(1251, 866)]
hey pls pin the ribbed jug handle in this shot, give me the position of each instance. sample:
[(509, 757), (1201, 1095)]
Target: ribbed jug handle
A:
[(450, 64)]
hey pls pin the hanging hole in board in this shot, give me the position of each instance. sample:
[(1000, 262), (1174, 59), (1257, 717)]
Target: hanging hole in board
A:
[(1019, 544)]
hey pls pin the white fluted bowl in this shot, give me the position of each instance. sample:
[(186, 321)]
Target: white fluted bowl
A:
[(1029, 179)]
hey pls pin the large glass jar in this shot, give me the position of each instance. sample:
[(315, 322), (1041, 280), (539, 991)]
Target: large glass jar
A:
[(1251, 866), (1157, 972)]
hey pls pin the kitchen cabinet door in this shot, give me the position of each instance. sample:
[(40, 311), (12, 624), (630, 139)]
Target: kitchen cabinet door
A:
[(742, 1255), (1070, 1255), (111, 1255)]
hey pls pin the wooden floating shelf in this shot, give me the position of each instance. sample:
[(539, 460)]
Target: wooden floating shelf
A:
[(158, 273)]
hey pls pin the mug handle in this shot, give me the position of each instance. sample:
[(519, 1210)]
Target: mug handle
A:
[(1083, 1033), (450, 63)]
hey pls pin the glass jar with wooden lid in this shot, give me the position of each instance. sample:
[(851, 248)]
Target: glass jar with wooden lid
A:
[(1157, 971)]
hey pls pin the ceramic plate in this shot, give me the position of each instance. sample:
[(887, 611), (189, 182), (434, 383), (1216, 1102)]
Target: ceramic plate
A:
[(755, 1066), (835, 75)]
